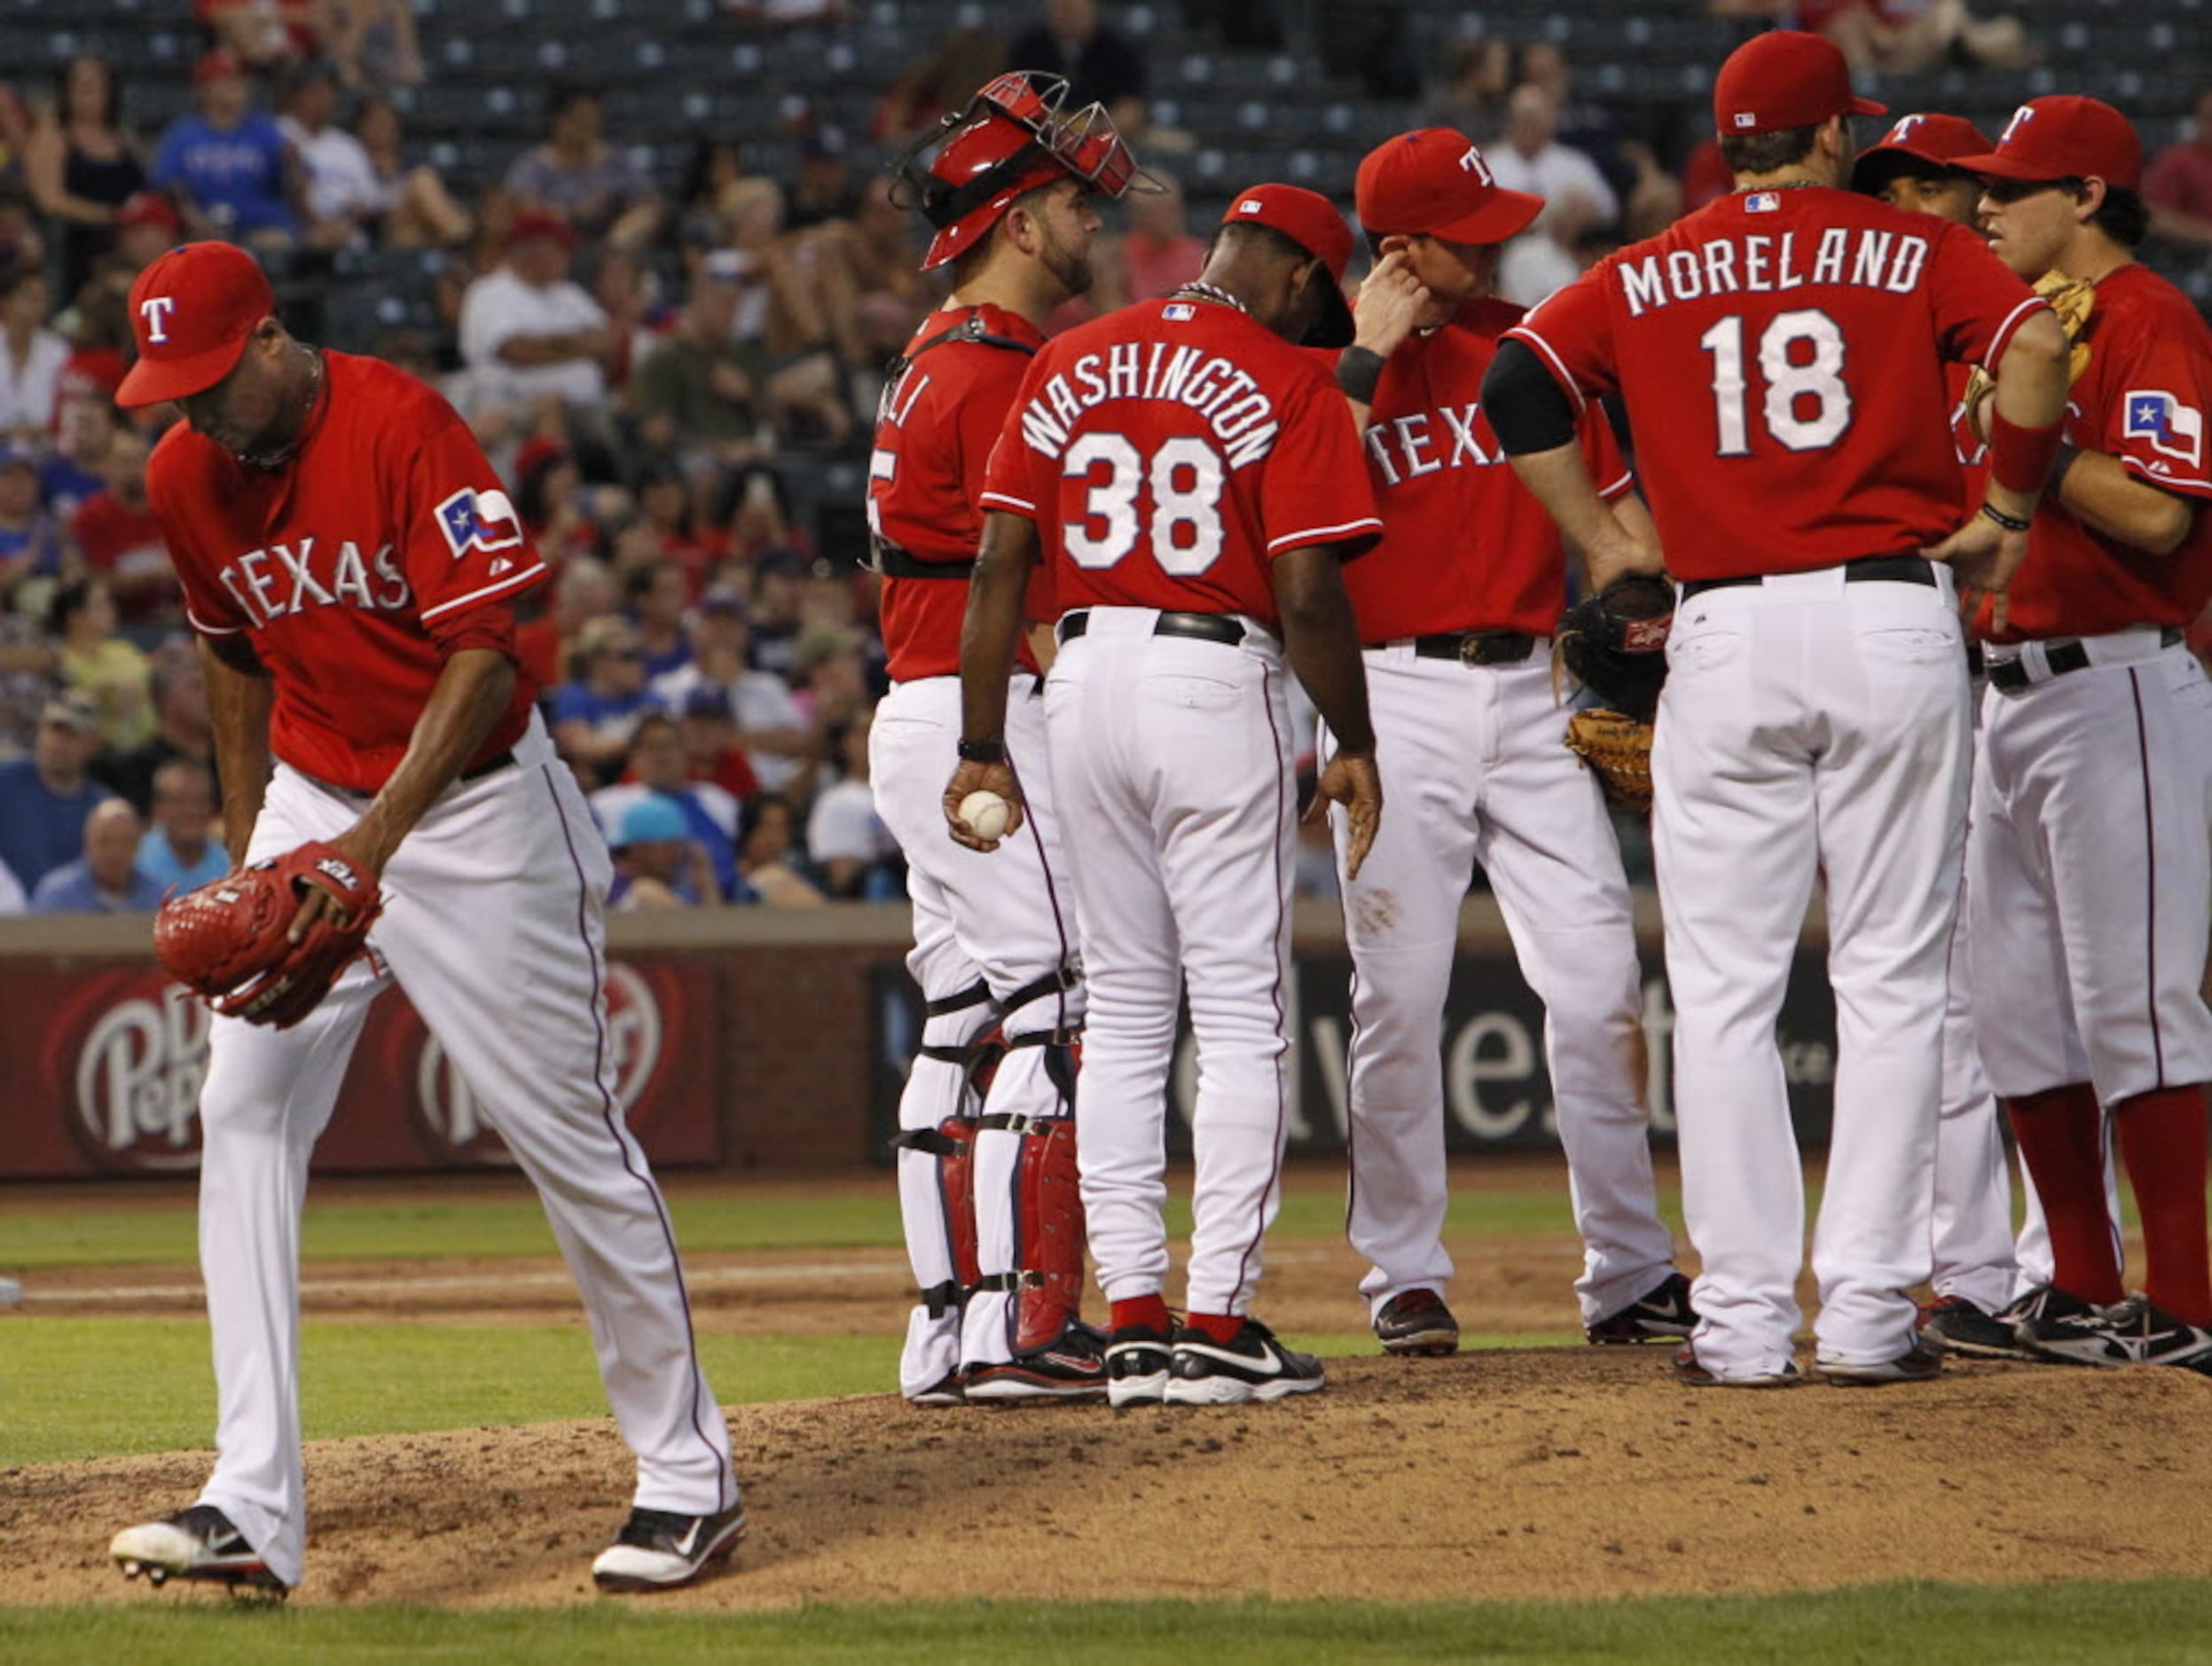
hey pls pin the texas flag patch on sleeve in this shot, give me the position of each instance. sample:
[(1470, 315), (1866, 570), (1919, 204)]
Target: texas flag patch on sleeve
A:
[(2173, 428), (473, 520)]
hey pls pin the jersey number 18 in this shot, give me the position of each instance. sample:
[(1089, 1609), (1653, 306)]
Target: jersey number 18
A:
[(1807, 406)]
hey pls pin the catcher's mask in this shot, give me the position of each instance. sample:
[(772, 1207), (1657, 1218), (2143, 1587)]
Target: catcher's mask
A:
[(1013, 137)]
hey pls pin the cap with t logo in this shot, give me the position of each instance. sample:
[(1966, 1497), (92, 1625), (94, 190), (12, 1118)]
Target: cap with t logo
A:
[(191, 313)]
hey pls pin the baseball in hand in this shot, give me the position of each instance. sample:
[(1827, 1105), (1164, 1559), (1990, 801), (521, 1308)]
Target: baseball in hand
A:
[(985, 811)]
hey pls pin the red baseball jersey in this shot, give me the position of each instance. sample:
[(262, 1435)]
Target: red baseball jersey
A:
[(2144, 399), (1169, 451), (1465, 546), (934, 431), (384, 545), (1782, 355)]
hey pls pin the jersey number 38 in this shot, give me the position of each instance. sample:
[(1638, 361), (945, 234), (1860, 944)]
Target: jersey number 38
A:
[(1181, 485)]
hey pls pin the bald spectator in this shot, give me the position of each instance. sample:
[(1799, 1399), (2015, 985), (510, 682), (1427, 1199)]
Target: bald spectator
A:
[(1577, 199), (45, 799), (576, 176), (528, 331), (180, 849), (2179, 186), (106, 879)]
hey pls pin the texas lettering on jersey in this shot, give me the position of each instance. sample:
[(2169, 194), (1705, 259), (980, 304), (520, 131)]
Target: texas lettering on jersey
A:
[(284, 579), (1423, 442)]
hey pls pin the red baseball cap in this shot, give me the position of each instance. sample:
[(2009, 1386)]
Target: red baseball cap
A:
[(213, 65), (149, 207), (1435, 181), (1314, 223), (1933, 141), (534, 222), (2065, 138), (1784, 78), (191, 313)]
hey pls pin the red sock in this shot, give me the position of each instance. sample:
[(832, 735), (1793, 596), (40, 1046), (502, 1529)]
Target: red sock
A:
[(1222, 1327), (2162, 1140), (1149, 1312), (2061, 1140)]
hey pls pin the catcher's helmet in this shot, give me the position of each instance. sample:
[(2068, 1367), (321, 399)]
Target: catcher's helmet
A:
[(1012, 137)]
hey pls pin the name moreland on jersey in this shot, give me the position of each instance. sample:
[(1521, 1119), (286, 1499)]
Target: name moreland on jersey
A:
[(1854, 255), (1243, 419)]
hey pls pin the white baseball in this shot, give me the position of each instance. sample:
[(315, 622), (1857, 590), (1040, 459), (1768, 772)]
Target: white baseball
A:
[(985, 811)]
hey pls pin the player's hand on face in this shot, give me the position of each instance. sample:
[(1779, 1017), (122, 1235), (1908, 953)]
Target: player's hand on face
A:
[(972, 777), (1391, 299), (1982, 556), (1352, 782)]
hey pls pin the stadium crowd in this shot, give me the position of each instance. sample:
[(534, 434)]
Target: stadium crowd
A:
[(642, 367)]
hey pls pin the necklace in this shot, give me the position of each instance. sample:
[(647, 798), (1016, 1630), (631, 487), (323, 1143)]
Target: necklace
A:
[(279, 459), (1794, 184), (1205, 291)]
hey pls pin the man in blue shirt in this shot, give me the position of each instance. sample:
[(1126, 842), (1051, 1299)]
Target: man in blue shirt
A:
[(180, 849), (105, 879), (45, 798), (230, 165)]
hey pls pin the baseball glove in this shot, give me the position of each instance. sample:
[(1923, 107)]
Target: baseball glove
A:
[(226, 941), (1614, 642), (2072, 300), (1618, 747)]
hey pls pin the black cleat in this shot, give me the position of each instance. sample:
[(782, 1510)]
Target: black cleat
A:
[(1250, 1366), (1417, 1322), (657, 1550), (1661, 1315), (196, 1543)]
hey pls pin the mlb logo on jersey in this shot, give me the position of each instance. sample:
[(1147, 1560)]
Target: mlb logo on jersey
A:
[(1762, 202), (479, 520), (1181, 312), (2173, 428)]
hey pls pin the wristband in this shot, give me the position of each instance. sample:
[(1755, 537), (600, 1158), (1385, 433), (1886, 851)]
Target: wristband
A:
[(2010, 522), (983, 752), (1358, 370), (2019, 458), (2055, 481)]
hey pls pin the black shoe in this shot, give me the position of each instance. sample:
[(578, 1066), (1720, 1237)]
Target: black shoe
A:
[(196, 1543), (1138, 1360), (1663, 1314), (2129, 1332), (1073, 1367), (2050, 1324), (1689, 1370), (945, 1391), (1251, 1366), (659, 1550), (1920, 1362), (1417, 1322), (1955, 1325)]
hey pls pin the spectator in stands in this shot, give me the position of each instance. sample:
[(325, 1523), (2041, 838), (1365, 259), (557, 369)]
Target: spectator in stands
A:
[(1470, 98), (2179, 186), (116, 534), (578, 177), (106, 879), (83, 166), (656, 863), (28, 665), (182, 733), (785, 310), (778, 590), (824, 190), (147, 228), (416, 208), (22, 244), (851, 849), (828, 676), (771, 724), (342, 195), (1158, 254), (180, 849), (549, 495), (72, 473), (874, 259), (528, 331), (1909, 37), (658, 594), (101, 667), (1582, 125), (31, 358), (1102, 64), (760, 520), (714, 166), (701, 394), (1576, 199), (35, 551), (263, 33), (937, 85), (1654, 199), (597, 710), (659, 769), (628, 295), (373, 44), (15, 131), (45, 798), (711, 753), (665, 516), (768, 860), (228, 166)]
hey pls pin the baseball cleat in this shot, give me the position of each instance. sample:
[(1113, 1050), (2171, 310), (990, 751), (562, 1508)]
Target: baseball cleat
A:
[(196, 1543), (2047, 1320), (1417, 1322), (1957, 1325), (657, 1550), (945, 1391), (1662, 1314), (1138, 1359), (1690, 1370), (1920, 1362), (1073, 1367), (1252, 1365), (2131, 1333)]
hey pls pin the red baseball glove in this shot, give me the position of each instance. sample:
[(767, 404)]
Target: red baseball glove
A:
[(227, 940)]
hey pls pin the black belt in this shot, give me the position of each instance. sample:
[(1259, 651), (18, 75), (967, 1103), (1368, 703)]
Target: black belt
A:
[(1204, 627), (1975, 666), (489, 766), (1477, 647), (1897, 570), (2062, 654)]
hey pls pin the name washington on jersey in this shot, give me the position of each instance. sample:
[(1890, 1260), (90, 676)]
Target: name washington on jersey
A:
[(1243, 419), (280, 579), (1743, 263)]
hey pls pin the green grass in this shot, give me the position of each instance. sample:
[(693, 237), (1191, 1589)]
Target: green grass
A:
[(2161, 1621)]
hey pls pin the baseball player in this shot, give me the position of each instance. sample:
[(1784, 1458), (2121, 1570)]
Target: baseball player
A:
[(1455, 607), (1780, 355), (1194, 480), (2090, 876), (350, 565), (994, 1216)]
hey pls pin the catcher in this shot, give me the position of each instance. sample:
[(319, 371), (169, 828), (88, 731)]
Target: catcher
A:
[(394, 808)]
